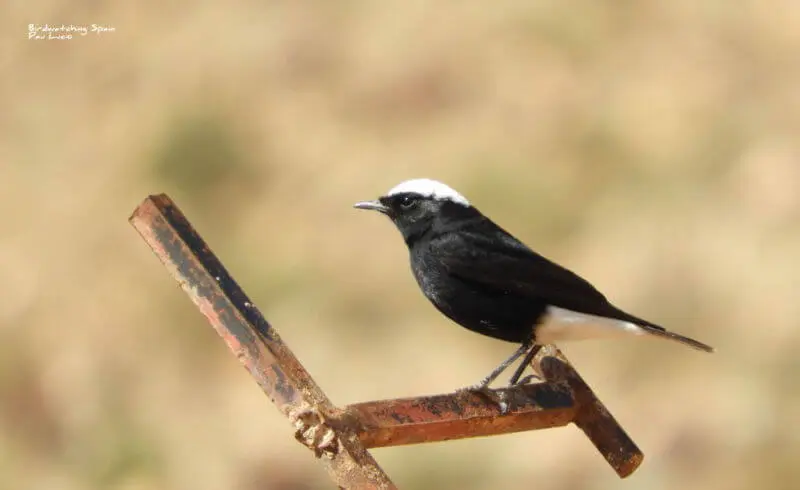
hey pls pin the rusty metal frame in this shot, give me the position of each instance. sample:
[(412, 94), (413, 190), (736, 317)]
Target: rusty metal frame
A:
[(340, 437)]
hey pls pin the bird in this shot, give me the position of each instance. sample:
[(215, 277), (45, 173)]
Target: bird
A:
[(486, 280)]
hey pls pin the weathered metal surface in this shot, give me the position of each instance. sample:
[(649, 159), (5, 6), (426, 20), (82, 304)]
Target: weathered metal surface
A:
[(456, 416), (256, 344), (592, 417), (564, 398)]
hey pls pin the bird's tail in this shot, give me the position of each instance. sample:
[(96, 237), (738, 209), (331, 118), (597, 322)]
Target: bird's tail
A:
[(666, 334), (659, 331)]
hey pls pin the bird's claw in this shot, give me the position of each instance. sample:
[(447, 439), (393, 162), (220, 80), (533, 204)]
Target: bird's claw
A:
[(498, 399)]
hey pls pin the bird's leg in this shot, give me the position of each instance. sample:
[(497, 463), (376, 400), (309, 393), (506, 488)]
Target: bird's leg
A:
[(522, 366), (482, 388), (502, 367)]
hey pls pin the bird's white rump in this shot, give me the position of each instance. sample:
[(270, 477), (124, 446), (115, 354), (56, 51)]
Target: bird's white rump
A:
[(429, 188), (560, 324)]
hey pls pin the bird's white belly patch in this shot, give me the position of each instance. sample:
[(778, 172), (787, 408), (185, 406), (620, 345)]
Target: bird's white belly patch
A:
[(561, 324)]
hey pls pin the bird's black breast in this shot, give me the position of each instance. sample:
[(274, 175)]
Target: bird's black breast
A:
[(483, 308)]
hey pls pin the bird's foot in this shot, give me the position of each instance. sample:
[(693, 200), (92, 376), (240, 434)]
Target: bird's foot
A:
[(483, 390)]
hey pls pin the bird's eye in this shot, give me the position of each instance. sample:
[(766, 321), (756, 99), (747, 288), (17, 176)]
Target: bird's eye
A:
[(408, 202)]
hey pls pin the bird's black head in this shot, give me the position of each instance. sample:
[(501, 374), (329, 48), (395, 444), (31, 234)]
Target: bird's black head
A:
[(420, 205)]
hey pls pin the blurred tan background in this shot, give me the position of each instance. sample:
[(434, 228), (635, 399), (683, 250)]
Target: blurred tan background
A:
[(651, 146)]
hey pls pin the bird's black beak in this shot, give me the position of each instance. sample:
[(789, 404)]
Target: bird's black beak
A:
[(373, 206)]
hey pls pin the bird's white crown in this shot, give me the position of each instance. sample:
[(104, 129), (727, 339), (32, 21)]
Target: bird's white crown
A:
[(429, 188)]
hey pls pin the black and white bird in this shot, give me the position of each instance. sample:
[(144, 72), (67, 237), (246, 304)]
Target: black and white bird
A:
[(484, 279)]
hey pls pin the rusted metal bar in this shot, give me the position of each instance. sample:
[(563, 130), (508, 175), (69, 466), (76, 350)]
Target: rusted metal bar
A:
[(562, 399), (456, 416), (592, 416), (257, 345)]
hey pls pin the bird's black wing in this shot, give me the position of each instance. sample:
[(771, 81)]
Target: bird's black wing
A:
[(489, 257)]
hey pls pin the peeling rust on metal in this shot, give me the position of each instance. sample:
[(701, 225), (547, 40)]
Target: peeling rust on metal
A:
[(458, 415), (313, 431)]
